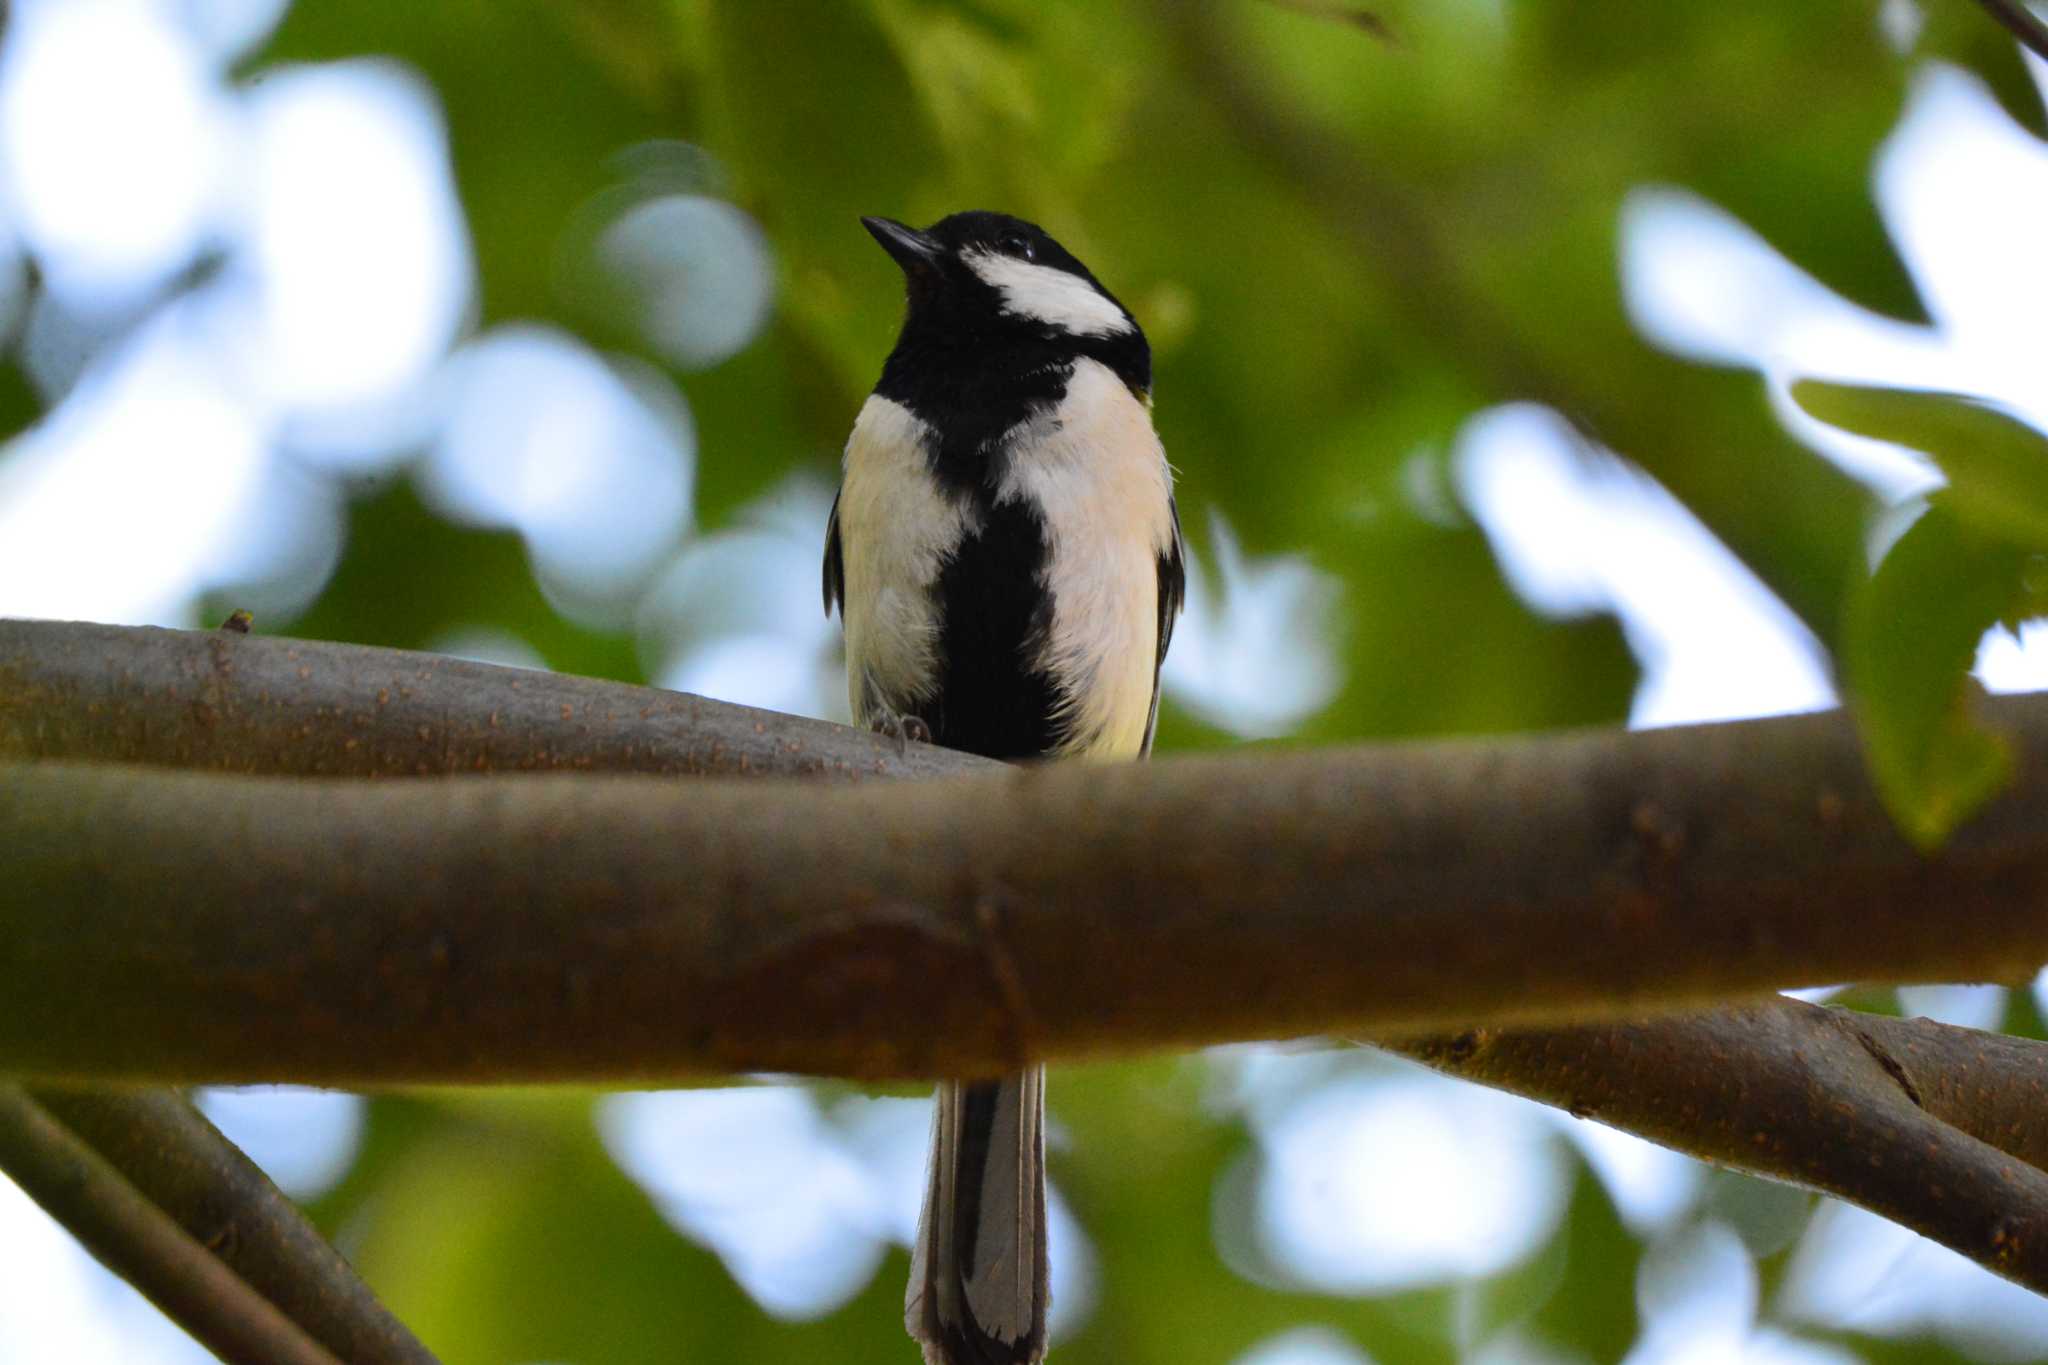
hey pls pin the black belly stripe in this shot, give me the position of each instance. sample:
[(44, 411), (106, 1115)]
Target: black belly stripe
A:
[(995, 617)]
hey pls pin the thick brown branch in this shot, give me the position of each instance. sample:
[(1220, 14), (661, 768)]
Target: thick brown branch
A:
[(132, 1236), (1283, 893), (247, 704), (178, 926), (169, 1152), (1814, 1097)]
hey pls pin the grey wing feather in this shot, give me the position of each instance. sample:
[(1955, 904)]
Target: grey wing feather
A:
[(1173, 588), (835, 563)]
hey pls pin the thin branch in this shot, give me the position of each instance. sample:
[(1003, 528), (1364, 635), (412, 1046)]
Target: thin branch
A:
[(1707, 1082), (175, 926), (168, 1151), (1814, 1097), (2020, 21), (136, 1239)]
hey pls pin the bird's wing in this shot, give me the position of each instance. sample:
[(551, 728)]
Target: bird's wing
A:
[(1173, 589), (835, 564)]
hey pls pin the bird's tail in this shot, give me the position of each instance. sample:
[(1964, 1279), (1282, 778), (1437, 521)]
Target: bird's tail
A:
[(978, 1289)]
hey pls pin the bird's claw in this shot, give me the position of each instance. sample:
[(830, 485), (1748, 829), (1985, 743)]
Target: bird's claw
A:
[(903, 729)]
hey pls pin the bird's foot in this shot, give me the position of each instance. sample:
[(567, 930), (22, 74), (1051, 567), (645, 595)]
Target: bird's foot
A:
[(903, 729)]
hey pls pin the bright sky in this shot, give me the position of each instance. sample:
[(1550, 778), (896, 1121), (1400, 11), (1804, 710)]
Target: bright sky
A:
[(336, 331)]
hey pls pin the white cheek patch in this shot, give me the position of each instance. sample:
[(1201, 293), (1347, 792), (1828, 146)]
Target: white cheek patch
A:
[(1053, 297)]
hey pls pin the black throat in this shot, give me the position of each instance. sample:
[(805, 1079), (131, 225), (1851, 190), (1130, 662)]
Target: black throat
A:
[(971, 377)]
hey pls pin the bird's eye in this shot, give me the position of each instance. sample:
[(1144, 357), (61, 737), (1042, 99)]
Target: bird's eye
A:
[(1018, 245)]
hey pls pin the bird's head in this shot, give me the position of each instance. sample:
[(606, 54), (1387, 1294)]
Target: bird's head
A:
[(981, 271)]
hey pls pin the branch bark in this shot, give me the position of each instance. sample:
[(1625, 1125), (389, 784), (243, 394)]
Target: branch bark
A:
[(135, 1238), (1934, 1127), (629, 929), (224, 1201), (220, 702), (175, 926)]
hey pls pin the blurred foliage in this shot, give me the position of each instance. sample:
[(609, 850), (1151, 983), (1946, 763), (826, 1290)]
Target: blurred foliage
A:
[(1971, 561), (1996, 466), (380, 594), (1343, 249), (1912, 632)]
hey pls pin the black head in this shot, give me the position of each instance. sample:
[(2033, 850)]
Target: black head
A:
[(995, 291), (1003, 267)]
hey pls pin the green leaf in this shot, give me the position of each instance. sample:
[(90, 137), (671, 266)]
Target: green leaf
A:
[(1594, 1310), (1911, 635), (1913, 629), (20, 404), (1997, 466)]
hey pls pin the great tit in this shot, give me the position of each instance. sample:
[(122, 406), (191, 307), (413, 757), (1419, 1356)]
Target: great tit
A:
[(1006, 558)]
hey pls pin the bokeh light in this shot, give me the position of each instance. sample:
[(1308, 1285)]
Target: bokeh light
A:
[(1378, 1183), (756, 1174), (694, 274), (1852, 1269), (350, 270), (304, 1139), (1305, 1346), (1579, 531), (543, 437), (113, 133), (1255, 650), (1697, 1293)]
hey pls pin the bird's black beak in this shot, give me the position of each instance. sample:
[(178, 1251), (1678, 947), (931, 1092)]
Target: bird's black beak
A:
[(912, 250)]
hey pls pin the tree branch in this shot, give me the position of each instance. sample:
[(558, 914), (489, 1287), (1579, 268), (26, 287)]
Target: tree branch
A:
[(631, 929), (1940, 1138), (172, 926), (1992, 1086), (2021, 23), (229, 703), (169, 1152), (136, 1239)]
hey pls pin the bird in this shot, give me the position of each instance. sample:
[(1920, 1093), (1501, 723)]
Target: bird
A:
[(1005, 555)]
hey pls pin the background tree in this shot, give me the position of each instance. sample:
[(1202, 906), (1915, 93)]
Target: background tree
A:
[(227, 373)]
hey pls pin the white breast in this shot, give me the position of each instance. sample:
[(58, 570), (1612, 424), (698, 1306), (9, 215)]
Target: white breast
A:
[(896, 526), (1097, 471)]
